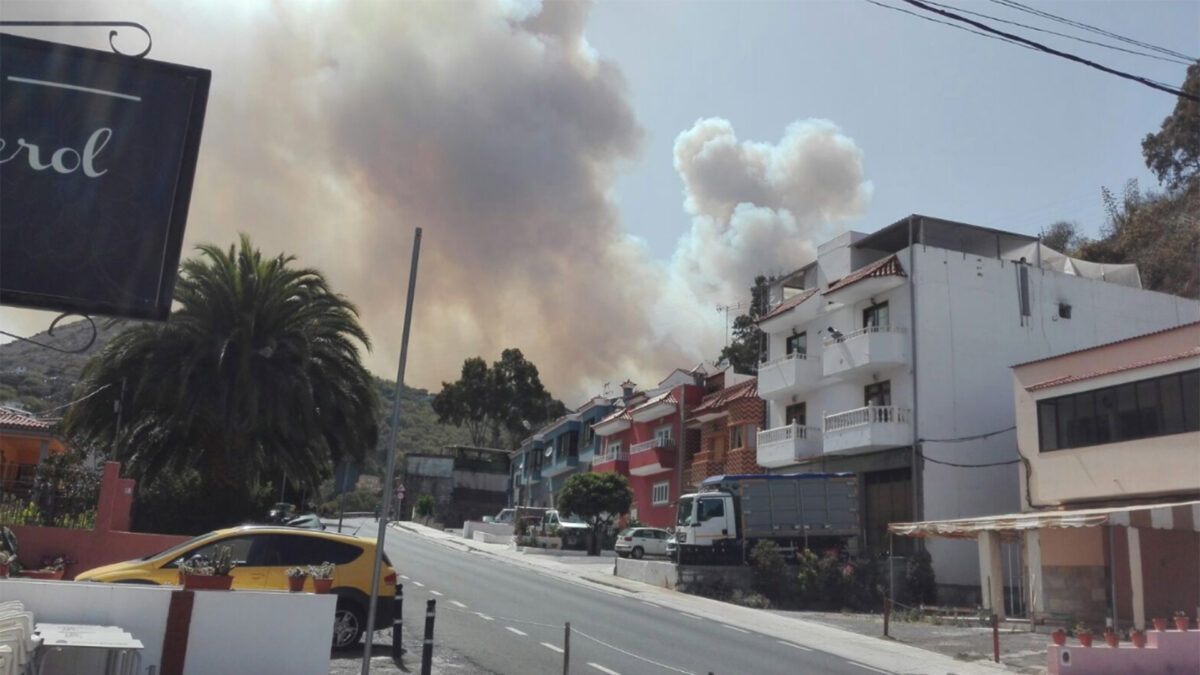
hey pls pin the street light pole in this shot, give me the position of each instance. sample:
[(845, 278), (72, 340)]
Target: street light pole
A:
[(388, 477)]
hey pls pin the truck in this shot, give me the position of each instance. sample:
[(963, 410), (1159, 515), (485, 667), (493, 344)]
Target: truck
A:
[(721, 523)]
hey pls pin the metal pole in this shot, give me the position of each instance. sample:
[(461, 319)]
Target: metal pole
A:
[(887, 613), (427, 646), (995, 638), (388, 477), (567, 649), (398, 624)]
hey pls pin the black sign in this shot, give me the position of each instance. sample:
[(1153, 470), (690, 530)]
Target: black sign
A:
[(97, 157)]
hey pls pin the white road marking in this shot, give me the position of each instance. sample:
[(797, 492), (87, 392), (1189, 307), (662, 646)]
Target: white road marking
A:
[(552, 648), (419, 584), (514, 630), (740, 630), (458, 604), (602, 669), (807, 649), (437, 593), (483, 616), (692, 616), (404, 577), (862, 665), (649, 604)]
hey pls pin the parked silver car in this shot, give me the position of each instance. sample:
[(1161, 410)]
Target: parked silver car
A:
[(640, 541)]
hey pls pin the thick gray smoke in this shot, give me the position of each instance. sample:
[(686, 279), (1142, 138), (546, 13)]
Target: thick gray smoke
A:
[(334, 129)]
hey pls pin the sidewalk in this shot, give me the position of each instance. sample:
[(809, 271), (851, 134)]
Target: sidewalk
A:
[(916, 648)]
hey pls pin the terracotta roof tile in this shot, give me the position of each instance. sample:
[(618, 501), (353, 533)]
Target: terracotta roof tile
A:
[(719, 399), (888, 267), (1078, 377), (1190, 324), (786, 305), (15, 420)]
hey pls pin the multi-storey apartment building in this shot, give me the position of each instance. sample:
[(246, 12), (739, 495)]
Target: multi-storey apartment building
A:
[(889, 357), (725, 429), (568, 445)]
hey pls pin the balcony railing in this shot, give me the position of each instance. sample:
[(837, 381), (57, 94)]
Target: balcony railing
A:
[(872, 347), (619, 456), (650, 444), (786, 445), (866, 429), (872, 414), (790, 374), (865, 330)]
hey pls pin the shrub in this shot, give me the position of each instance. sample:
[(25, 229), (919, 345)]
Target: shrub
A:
[(362, 501), (425, 506), (770, 572), (919, 579)]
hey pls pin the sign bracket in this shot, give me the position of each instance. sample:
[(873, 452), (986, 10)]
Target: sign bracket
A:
[(50, 332), (112, 34)]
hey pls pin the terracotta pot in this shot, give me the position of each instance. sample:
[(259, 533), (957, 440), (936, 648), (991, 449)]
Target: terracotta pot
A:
[(1138, 639), (322, 585), (1159, 624), (1085, 639), (205, 582), (296, 584), (1059, 636), (43, 574), (4, 570), (1181, 623), (1111, 639)]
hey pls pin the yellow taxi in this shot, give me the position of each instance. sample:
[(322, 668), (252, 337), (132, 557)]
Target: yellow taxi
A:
[(262, 554)]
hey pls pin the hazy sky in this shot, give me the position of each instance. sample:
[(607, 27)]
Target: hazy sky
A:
[(595, 180)]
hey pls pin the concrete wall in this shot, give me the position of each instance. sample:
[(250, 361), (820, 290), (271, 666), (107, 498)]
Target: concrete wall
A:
[(654, 572)]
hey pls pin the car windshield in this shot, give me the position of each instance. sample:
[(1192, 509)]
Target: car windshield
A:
[(684, 511), (628, 532)]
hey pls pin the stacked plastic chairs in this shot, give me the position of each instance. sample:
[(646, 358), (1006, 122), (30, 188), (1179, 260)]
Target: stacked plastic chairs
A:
[(17, 640)]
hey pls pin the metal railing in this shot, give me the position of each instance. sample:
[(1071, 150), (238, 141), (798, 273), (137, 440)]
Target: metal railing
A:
[(865, 330), (872, 414), (651, 444)]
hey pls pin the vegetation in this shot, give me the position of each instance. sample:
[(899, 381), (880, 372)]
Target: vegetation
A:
[(746, 348), (599, 499), (360, 501), (498, 405), (919, 581), (425, 506)]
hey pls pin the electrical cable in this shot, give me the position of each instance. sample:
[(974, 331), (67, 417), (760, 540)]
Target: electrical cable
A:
[(1169, 59), (965, 438), (1100, 31), (944, 23), (1041, 47), (967, 466), (42, 413)]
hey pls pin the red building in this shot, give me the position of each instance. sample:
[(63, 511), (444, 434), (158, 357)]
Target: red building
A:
[(727, 421)]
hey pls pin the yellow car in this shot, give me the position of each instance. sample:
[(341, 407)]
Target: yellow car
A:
[(262, 554)]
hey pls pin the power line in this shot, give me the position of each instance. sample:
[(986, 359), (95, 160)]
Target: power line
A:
[(1100, 31), (1169, 59), (68, 405), (967, 466), (966, 438), (944, 23), (1041, 47)]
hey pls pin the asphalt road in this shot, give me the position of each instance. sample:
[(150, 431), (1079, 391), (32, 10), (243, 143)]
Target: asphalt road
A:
[(510, 620)]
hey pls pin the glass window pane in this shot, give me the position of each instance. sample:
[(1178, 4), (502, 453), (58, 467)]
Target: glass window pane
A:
[(1106, 415), (1172, 404), (1128, 417), (1048, 425), (1191, 400), (1085, 413), (1066, 421), (1149, 408)]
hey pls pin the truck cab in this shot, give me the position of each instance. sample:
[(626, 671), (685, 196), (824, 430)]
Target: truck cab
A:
[(706, 526)]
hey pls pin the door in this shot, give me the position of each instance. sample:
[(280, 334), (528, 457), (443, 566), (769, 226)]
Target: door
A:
[(713, 520)]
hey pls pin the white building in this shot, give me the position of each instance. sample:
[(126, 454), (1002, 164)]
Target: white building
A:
[(893, 350)]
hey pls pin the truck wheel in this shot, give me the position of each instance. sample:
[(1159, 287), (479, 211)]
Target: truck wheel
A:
[(637, 553)]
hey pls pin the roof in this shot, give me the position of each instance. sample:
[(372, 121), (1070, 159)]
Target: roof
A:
[(713, 480), (665, 397), (722, 397), (889, 266), (1114, 342), (1183, 516), (787, 304), (935, 232), (11, 419), (1079, 377)]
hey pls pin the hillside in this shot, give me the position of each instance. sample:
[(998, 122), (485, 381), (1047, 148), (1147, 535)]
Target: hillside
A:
[(41, 380)]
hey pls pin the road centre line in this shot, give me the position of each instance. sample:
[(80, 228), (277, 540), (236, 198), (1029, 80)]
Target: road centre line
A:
[(793, 644), (552, 648), (602, 669), (692, 616), (458, 604), (419, 584), (740, 630), (404, 577), (516, 630), (649, 604), (437, 593), (863, 665), (483, 616)]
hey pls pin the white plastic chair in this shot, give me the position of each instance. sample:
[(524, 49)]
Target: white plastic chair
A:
[(8, 664), (23, 644)]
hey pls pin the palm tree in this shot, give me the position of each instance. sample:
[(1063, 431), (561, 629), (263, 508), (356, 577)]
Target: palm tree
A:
[(256, 373)]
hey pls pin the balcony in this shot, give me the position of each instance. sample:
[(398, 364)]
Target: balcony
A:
[(653, 456), (703, 466), (784, 446), (563, 465), (867, 429), (870, 348), (791, 374), (616, 462)]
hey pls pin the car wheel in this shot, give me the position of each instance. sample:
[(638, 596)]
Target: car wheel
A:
[(637, 553), (348, 625)]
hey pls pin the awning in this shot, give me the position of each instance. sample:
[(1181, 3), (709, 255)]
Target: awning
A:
[(1183, 516)]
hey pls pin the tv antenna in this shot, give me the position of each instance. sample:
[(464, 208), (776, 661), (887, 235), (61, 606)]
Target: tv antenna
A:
[(727, 309)]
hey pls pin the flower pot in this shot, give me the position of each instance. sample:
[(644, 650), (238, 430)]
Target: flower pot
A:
[(1181, 623), (296, 584), (4, 571), (1138, 639), (1059, 636), (1111, 639), (1159, 624), (322, 585), (205, 582), (43, 574), (1085, 639)]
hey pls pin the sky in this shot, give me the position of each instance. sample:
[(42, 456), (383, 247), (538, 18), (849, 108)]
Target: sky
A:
[(595, 180)]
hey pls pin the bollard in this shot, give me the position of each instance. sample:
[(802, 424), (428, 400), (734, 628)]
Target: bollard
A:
[(398, 624), (567, 649), (427, 648), (887, 613), (995, 639)]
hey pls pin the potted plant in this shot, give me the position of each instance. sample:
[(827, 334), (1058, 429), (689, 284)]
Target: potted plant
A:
[(1084, 634), (322, 576), (53, 567), (1181, 620), (1138, 638), (296, 577), (1159, 624), (1111, 638), (6, 559), (200, 573), (1059, 636)]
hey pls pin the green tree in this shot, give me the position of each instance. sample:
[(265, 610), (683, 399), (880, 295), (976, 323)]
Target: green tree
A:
[(256, 374), (746, 348), (1173, 154), (598, 498), (1062, 236), (499, 405)]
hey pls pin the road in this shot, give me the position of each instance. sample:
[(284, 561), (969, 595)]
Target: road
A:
[(510, 620)]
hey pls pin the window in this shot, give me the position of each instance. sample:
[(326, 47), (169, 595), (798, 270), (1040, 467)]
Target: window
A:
[(292, 550), (589, 435), (711, 508), (662, 437), (876, 316), (1147, 408), (573, 444), (795, 414), (797, 344), (737, 436), (660, 494), (247, 550), (613, 449), (878, 393)]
